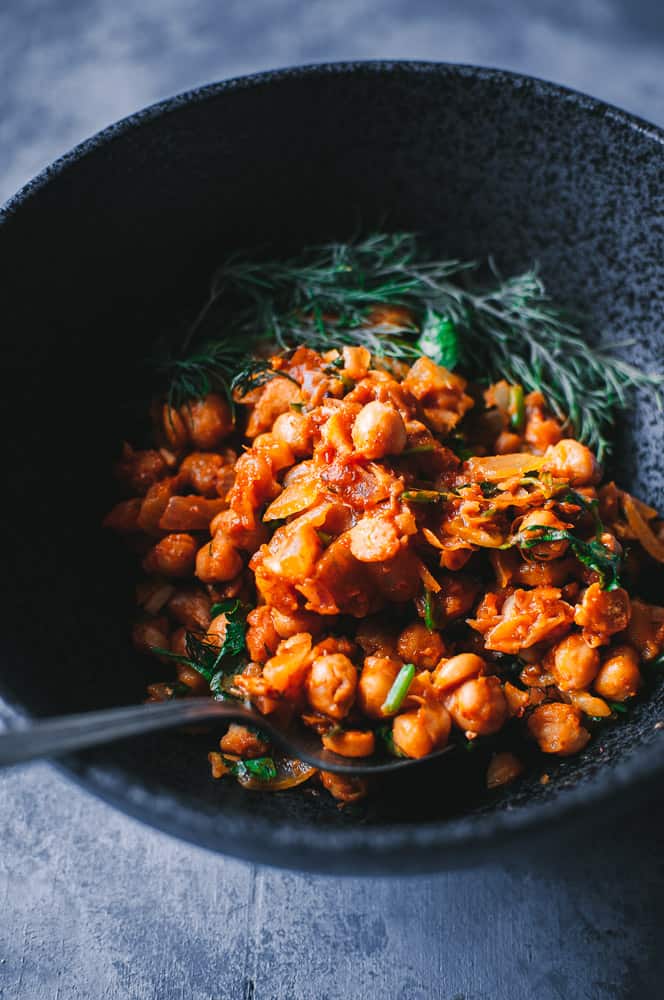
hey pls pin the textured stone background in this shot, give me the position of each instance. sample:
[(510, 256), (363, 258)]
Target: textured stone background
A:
[(93, 905)]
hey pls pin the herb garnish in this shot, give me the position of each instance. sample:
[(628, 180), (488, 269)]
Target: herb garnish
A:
[(262, 768), (324, 298), (590, 506), (215, 663), (256, 373), (517, 408), (424, 496), (399, 689), (593, 554), (429, 611)]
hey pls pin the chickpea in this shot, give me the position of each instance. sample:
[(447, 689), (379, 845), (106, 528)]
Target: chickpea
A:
[(295, 430), (602, 613), (350, 743), (218, 560), (422, 731), (379, 430), (416, 644), (139, 470), (557, 729), (507, 443), (374, 539), (397, 579), (247, 539), (619, 677), (190, 606), (572, 461), (331, 685), (286, 671), (174, 429), (187, 675), (457, 670), (262, 638), (241, 741), (503, 768), (178, 641), (199, 470), (573, 663), (149, 633), (479, 706), (356, 362), (377, 677), (547, 573), (208, 421), (216, 630), (124, 516), (277, 452), (541, 431), (374, 638), (547, 520), (344, 788), (174, 556), (287, 623)]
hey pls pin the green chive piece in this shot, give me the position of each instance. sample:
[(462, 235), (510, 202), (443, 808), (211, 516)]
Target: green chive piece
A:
[(399, 689), (517, 408), (419, 449), (262, 768), (424, 496), (429, 611)]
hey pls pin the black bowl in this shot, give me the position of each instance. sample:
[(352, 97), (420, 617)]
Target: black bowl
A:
[(112, 244)]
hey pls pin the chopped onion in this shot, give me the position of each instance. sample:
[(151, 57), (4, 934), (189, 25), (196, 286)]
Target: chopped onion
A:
[(642, 530), (494, 468), (289, 774)]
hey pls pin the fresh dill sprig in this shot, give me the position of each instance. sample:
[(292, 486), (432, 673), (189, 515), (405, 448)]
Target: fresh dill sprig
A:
[(209, 368), (331, 296), (256, 373)]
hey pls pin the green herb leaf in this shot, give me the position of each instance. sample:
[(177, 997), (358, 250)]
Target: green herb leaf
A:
[(256, 373), (593, 554), (420, 449), (617, 706), (262, 768), (508, 328), (399, 689), (439, 340), (458, 444), (215, 663), (424, 496), (488, 489), (590, 506), (517, 407), (430, 610)]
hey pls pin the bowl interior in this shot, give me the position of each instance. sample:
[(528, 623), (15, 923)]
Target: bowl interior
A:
[(115, 245)]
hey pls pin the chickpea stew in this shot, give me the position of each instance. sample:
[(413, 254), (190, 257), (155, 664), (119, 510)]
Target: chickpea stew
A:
[(337, 561)]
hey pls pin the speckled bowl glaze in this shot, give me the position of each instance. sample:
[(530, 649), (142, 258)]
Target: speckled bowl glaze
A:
[(111, 244)]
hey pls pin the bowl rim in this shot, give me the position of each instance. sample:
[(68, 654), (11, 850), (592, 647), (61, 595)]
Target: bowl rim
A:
[(354, 849)]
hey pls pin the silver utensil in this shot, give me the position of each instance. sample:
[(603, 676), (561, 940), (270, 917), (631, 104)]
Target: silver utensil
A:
[(27, 739)]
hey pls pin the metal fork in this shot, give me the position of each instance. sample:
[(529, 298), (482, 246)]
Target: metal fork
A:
[(27, 740)]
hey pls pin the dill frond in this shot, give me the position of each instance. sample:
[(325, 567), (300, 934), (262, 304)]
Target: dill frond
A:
[(326, 298)]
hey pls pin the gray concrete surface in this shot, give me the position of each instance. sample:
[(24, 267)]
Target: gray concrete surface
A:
[(95, 906)]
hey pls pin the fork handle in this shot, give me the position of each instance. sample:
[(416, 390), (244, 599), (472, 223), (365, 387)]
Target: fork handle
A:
[(27, 740)]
